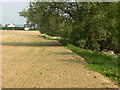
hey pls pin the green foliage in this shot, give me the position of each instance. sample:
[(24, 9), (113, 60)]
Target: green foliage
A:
[(1, 26), (6, 25), (88, 25), (81, 43), (102, 63)]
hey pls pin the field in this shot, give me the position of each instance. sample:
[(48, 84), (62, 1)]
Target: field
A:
[(30, 61)]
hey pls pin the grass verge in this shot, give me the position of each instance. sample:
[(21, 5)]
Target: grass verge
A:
[(49, 37), (106, 65)]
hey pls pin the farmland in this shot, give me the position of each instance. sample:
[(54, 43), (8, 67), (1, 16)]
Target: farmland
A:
[(30, 61)]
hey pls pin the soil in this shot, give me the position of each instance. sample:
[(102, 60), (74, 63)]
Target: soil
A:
[(30, 61)]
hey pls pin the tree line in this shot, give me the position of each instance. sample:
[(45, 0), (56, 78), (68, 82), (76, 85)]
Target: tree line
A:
[(87, 25)]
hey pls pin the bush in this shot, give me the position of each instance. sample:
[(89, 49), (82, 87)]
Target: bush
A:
[(81, 43), (15, 28)]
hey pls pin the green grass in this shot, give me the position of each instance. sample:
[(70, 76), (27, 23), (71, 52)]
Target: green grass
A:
[(106, 65), (48, 37), (31, 30)]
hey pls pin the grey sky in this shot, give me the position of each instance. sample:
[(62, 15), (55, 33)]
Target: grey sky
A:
[(9, 12)]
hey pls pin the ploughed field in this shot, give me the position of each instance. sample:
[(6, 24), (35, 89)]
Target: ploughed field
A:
[(30, 61)]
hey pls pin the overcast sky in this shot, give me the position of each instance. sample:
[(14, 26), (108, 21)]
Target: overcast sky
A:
[(9, 11)]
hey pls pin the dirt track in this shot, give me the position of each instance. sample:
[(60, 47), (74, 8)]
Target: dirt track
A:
[(29, 61)]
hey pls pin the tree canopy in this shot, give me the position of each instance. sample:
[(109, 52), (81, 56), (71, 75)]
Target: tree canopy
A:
[(88, 25)]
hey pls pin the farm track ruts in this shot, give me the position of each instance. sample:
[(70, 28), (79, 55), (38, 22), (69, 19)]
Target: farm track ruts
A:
[(30, 61)]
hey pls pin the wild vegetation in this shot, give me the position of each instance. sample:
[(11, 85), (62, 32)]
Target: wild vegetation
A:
[(86, 25)]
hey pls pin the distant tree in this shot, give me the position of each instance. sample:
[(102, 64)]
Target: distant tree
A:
[(6, 25), (1, 25)]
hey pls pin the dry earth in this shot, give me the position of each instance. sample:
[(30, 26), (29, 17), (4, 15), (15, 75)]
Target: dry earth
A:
[(29, 61)]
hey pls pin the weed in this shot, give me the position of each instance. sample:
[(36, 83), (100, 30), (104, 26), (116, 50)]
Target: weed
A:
[(95, 77)]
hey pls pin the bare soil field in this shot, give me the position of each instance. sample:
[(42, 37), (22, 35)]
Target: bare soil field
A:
[(29, 61)]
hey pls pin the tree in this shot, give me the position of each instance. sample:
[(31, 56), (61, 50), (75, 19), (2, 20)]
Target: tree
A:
[(6, 25), (1, 25), (88, 25)]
